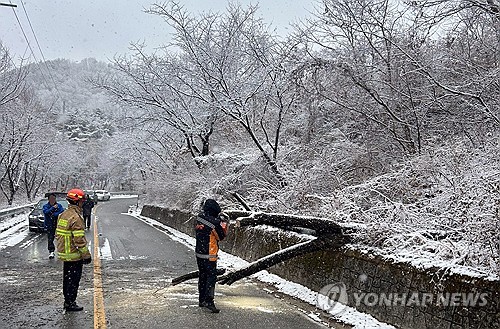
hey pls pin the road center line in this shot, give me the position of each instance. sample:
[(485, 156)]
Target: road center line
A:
[(99, 313)]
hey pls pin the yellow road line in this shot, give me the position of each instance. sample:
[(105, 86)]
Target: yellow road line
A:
[(99, 313)]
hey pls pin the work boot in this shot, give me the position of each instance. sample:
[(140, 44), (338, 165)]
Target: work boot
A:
[(51, 255), (212, 308), (72, 307)]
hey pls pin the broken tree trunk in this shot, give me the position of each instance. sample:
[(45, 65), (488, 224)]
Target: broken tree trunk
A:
[(193, 275), (321, 243), (320, 225)]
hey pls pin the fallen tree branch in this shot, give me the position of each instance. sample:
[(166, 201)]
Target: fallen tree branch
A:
[(320, 225), (330, 242), (241, 201), (321, 243), (193, 275)]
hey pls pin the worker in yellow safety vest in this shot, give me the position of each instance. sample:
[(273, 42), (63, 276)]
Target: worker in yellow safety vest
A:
[(72, 247)]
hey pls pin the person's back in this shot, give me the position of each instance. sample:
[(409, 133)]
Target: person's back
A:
[(208, 232), (70, 225), (87, 211), (87, 206), (72, 248)]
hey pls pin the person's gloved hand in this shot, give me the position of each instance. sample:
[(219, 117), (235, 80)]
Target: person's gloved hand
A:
[(87, 260)]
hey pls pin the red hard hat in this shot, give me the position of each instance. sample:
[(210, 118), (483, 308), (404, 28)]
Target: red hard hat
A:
[(75, 194)]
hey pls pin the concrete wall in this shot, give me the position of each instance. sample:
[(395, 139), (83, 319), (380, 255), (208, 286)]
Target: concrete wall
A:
[(361, 273)]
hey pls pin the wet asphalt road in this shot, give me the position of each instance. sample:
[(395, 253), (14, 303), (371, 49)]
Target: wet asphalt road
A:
[(137, 263)]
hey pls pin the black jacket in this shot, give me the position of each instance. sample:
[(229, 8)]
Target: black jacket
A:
[(209, 232), (87, 207)]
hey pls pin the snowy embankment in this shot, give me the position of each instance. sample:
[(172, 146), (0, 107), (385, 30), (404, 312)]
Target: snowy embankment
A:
[(348, 315), (13, 230)]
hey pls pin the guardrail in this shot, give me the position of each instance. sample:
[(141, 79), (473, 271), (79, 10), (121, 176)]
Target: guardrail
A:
[(123, 193), (15, 211)]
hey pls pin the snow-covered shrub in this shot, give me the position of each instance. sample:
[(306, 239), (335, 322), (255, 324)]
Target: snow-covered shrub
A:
[(443, 205)]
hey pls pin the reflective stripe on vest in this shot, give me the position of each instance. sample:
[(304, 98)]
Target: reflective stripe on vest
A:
[(205, 222), (62, 222), (78, 233), (67, 244), (66, 234), (63, 232), (70, 233), (68, 255), (206, 256)]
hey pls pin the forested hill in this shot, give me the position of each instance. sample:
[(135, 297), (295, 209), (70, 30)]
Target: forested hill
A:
[(63, 87)]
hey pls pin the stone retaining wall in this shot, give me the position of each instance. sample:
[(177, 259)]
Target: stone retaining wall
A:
[(367, 277)]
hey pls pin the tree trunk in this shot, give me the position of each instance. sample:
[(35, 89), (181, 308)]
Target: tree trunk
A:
[(241, 201), (332, 242), (320, 225), (193, 275), (321, 243)]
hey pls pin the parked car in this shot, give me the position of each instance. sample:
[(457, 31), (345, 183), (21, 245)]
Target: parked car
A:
[(36, 218), (102, 195)]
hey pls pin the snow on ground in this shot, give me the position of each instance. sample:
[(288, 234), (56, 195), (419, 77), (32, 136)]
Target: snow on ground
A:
[(123, 196), (348, 314), (13, 230), (105, 251), (11, 221)]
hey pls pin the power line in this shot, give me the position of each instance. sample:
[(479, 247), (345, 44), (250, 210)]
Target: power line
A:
[(28, 42), (31, 49), (41, 52)]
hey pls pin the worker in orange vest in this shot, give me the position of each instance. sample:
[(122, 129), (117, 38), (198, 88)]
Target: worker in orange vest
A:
[(210, 229)]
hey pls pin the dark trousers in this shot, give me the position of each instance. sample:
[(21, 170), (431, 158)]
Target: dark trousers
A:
[(51, 234), (72, 272), (87, 219), (206, 280)]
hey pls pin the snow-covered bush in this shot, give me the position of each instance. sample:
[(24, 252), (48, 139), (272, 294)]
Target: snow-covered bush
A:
[(445, 206)]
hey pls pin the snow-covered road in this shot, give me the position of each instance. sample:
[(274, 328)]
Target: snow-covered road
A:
[(137, 264), (139, 257)]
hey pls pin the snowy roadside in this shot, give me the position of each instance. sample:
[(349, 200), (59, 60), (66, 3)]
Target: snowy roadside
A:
[(6, 212), (348, 315), (123, 196), (17, 207), (13, 230)]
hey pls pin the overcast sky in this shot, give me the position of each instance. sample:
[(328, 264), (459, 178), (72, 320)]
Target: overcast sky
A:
[(77, 29)]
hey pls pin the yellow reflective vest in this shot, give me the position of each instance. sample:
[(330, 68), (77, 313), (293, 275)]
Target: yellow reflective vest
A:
[(70, 235)]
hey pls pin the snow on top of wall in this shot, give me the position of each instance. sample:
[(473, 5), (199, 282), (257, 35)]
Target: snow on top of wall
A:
[(426, 263), (275, 230)]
